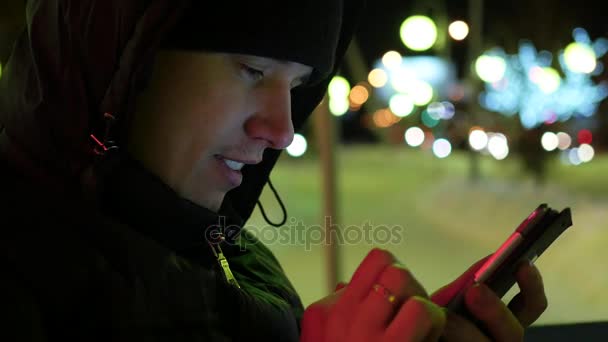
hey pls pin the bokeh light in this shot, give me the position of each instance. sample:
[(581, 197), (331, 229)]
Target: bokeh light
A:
[(573, 156), (490, 68), (384, 118), (429, 139), (392, 60), (402, 105), (414, 136), (527, 81), (441, 110), (428, 120), (580, 58), (478, 139), (442, 148), (547, 79), (456, 92), (585, 136), (377, 78), (448, 110), (564, 140), (498, 146), (435, 110), (403, 80), (358, 95), (338, 87), (421, 93), (458, 30), (586, 153), (338, 106), (418, 32), (298, 146), (549, 141)]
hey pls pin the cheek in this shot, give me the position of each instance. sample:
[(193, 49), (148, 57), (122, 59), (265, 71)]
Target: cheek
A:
[(225, 108), (216, 120)]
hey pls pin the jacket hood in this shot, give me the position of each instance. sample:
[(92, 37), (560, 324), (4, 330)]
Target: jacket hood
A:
[(70, 67)]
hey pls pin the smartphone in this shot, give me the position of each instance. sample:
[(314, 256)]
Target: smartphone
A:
[(531, 238)]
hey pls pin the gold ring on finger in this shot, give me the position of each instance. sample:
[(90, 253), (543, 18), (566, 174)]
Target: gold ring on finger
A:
[(386, 293)]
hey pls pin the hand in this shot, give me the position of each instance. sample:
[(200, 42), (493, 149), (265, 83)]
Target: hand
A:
[(504, 323), (363, 311)]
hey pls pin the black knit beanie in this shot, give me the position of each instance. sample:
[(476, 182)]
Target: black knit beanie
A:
[(304, 31)]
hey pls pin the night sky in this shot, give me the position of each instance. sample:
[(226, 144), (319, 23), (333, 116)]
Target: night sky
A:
[(547, 23)]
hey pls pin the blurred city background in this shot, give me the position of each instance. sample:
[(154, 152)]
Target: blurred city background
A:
[(451, 121)]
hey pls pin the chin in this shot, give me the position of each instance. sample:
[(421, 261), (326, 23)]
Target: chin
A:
[(211, 201)]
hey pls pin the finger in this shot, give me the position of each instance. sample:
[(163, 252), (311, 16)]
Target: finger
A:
[(361, 283), (418, 319), (395, 285), (460, 329), (493, 313), (367, 273), (443, 296), (531, 302)]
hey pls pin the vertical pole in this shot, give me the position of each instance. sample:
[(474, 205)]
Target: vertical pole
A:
[(474, 49), (325, 132)]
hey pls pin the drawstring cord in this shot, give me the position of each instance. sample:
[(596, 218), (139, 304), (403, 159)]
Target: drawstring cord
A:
[(276, 195), (102, 147)]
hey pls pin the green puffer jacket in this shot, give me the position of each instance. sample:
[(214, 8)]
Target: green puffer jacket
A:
[(73, 274)]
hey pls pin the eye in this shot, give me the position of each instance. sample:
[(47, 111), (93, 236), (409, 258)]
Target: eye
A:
[(251, 73)]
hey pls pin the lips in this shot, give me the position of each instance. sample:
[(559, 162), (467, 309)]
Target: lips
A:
[(237, 163), (230, 167), (233, 164)]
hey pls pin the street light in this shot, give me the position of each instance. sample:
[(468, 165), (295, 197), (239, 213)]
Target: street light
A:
[(458, 30), (298, 146), (392, 60), (401, 105), (377, 78), (338, 91), (418, 33), (580, 58), (490, 68)]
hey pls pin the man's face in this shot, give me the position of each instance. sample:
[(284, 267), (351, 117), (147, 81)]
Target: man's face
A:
[(204, 115)]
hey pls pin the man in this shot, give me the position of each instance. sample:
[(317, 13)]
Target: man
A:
[(135, 132)]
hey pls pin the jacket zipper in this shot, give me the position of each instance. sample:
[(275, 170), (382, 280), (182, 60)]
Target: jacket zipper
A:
[(219, 254)]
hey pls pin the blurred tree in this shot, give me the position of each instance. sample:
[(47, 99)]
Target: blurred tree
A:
[(549, 25)]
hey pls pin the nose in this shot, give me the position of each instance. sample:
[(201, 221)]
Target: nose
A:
[(272, 120)]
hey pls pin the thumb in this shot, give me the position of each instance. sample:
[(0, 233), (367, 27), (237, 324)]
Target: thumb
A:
[(443, 296)]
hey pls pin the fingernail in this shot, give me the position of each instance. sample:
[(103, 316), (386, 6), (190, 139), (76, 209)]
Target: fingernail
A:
[(532, 268), (438, 313), (398, 264)]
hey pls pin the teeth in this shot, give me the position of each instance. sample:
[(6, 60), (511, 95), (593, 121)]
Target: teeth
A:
[(236, 166)]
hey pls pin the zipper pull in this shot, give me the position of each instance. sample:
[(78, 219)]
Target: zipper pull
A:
[(217, 251)]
